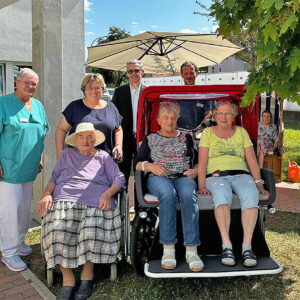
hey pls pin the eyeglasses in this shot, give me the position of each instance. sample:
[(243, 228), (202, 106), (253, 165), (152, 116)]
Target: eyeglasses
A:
[(28, 84), (96, 89), (226, 115), (135, 71)]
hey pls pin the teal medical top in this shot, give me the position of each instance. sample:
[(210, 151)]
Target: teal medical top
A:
[(22, 135)]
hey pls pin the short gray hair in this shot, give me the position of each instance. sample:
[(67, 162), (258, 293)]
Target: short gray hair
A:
[(234, 108), (135, 62), (26, 71), (169, 106), (189, 64)]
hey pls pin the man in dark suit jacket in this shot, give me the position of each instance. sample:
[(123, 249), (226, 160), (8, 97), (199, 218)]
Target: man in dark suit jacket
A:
[(126, 99)]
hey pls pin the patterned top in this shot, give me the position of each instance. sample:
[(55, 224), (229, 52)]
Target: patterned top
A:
[(176, 154), (267, 136), (226, 154)]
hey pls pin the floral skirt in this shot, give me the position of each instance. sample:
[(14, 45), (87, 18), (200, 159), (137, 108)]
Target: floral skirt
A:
[(73, 234)]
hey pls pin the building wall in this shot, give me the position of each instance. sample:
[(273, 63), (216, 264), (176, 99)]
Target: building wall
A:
[(15, 33), (230, 64)]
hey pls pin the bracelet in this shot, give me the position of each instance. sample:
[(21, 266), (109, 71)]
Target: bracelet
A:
[(143, 165)]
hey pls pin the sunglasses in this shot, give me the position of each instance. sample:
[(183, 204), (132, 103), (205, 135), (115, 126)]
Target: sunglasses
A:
[(135, 71)]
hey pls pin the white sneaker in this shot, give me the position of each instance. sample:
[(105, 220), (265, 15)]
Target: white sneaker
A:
[(14, 263), (24, 250), (194, 261)]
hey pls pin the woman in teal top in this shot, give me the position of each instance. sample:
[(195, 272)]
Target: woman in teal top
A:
[(23, 127)]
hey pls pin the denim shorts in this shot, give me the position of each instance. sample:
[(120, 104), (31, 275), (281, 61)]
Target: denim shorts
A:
[(243, 186)]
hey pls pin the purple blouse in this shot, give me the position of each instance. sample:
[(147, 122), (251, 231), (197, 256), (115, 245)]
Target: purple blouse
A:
[(83, 179)]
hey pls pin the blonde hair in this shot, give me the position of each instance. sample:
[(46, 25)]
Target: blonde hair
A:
[(234, 108), (90, 77), (169, 106)]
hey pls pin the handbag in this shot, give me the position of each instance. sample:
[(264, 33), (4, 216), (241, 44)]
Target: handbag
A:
[(293, 171)]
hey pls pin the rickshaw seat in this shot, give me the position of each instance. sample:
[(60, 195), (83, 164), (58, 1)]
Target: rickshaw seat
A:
[(204, 202)]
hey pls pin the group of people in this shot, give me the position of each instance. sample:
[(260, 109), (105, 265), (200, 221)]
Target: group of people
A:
[(81, 224)]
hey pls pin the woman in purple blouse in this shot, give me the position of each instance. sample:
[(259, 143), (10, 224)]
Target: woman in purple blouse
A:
[(81, 224)]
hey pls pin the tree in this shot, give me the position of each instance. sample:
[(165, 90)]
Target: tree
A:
[(247, 41), (112, 78), (276, 25)]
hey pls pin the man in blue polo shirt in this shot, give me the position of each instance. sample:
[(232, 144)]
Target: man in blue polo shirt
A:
[(23, 127), (196, 110)]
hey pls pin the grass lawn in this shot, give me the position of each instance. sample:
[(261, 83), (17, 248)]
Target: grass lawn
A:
[(291, 145), (283, 238)]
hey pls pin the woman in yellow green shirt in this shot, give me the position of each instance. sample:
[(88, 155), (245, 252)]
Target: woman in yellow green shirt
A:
[(225, 152)]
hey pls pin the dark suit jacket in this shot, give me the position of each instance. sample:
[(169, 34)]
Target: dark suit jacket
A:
[(122, 101)]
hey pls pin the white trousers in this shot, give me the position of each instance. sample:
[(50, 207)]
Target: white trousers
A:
[(15, 203)]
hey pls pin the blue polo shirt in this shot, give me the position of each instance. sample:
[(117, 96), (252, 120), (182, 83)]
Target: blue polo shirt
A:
[(22, 135)]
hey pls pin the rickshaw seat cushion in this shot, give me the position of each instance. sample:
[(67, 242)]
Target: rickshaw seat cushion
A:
[(204, 202)]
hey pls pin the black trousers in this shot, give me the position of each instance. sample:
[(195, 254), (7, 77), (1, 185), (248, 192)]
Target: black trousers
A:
[(129, 152)]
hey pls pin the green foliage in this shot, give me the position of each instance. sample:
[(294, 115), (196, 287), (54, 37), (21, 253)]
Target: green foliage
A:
[(248, 42), (112, 78), (276, 25), (114, 33)]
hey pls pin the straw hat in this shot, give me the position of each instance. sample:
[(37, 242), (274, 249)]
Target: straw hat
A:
[(86, 126)]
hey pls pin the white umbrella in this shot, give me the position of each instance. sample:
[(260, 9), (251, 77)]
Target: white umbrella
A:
[(161, 52)]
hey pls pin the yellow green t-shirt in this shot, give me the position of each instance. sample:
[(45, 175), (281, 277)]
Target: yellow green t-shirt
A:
[(226, 154)]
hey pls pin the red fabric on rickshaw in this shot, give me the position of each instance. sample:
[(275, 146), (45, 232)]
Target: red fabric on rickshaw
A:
[(150, 99)]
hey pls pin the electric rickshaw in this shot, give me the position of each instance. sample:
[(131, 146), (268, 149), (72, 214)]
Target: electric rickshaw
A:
[(145, 249)]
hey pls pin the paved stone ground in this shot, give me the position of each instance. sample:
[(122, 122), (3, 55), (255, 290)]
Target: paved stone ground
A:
[(24, 285), (14, 286), (287, 197)]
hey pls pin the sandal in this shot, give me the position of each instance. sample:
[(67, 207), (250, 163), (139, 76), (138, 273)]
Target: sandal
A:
[(168, 260), (249, 259), (228, 258), (194, 261)]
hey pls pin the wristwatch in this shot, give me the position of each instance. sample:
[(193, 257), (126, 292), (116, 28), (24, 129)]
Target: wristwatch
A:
[(259, 181)]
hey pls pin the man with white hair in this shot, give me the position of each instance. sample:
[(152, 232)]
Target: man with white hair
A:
[(23, 127), (126, 99)]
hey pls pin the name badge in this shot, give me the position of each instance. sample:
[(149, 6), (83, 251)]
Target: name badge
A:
[(23, 120), (200, 105)]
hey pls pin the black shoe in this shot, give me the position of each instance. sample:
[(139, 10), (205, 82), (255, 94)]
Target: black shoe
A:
[(249, 259), (85, 289), (66, 293), (228, 258)]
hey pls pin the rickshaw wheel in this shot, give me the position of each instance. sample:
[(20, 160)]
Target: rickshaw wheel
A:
[(142, 238), (124, 211)]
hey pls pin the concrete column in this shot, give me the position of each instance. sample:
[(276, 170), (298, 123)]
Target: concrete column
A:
[(58, 58), (9, 78)]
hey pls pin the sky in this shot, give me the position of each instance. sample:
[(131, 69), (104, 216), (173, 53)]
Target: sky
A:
[(137, 16)]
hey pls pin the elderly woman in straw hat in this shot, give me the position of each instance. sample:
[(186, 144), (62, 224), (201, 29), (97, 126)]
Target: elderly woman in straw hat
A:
[(82, 223)]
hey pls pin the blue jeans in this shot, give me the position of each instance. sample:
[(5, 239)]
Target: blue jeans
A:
[(169, 191)]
